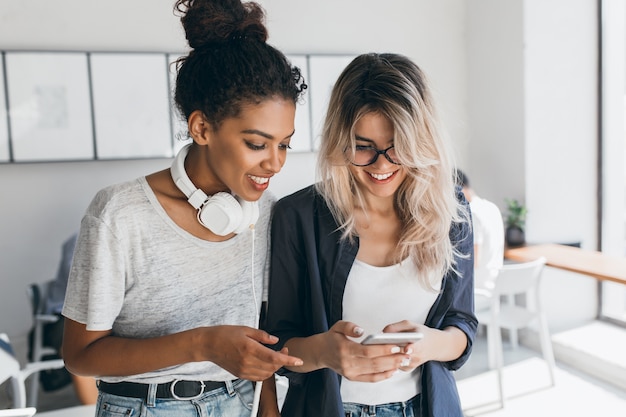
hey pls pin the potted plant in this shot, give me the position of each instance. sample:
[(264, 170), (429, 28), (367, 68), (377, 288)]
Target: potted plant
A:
[(515, 222)]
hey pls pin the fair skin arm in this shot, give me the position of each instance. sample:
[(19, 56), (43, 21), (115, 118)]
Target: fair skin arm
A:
[(437, 345), (238, 349)]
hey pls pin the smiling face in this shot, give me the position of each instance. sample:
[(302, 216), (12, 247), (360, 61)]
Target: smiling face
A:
[(382, 178), (246, 151)]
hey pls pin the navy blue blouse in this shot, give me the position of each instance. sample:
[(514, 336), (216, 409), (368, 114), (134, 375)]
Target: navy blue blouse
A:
[(309, 269)]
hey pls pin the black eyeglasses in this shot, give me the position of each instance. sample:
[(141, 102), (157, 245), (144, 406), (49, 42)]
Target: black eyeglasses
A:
[(363, 156)]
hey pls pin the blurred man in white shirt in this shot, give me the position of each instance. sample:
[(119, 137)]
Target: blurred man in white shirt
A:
[(488, 235)]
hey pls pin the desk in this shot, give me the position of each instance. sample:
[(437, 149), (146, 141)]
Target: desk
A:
[(595, 264)]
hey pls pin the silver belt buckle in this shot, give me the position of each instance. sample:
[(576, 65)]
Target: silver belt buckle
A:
[(176, 381)]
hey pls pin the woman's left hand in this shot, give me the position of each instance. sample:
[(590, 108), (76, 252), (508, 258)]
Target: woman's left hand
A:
[(415, 350), (440, 345)]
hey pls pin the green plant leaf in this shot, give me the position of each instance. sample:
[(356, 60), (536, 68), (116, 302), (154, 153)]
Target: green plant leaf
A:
[(516, 213)]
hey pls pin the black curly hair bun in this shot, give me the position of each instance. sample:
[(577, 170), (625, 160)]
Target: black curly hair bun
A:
[(208, 22), (230, 63)]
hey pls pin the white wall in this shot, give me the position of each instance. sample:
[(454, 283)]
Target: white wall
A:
[(532, 109), (42, 203), (560, 65), (614, 127), (91, 25), (496, 99)]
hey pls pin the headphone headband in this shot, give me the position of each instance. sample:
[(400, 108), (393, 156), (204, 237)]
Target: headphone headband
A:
[(195, 196)]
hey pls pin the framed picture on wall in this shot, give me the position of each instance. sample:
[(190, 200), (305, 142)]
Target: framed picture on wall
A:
[(49, 106), (324, 71), (4, 126), (131, 105), (179, 126), (301, 140)]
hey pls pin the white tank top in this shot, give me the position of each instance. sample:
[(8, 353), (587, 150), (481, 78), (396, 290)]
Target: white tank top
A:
[(375, 297)]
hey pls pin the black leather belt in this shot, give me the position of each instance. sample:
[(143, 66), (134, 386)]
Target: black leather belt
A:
[(177, 389)]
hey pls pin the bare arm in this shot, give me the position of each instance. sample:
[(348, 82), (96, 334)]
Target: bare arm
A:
[(268, 406), (437, 345), (237, 349)]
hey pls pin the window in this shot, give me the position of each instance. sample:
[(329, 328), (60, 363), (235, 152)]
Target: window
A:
[(613, 171)]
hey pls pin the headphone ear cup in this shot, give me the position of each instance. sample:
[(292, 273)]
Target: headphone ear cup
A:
[(250, 214), (222, 214)]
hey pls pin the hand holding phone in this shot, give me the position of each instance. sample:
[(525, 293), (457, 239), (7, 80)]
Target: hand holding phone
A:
[(400, 339)]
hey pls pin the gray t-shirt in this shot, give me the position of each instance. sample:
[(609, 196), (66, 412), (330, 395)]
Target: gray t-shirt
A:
[(137, 273)]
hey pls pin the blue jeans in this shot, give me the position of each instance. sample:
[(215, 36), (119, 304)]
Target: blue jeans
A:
[(233, 401), (410, 408)]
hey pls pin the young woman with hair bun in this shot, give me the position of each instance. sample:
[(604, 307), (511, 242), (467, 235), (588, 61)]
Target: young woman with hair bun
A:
[(169, 271)]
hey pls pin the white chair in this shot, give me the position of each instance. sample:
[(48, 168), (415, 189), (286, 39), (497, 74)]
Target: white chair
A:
[(18, 412), (76, 411), (36, 294), (10, 370), (496, 314)]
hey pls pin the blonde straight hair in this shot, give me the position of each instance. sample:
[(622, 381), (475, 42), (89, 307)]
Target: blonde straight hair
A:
[(426, 203)]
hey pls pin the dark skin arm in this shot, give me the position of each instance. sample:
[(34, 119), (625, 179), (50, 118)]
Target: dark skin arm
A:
[(237, 349), (268, 406)]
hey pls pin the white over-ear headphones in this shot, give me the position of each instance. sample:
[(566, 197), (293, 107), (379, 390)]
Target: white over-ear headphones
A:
[(221, 213)]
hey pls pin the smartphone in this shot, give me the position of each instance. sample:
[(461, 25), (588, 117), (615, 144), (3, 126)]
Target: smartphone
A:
[(400, 339)]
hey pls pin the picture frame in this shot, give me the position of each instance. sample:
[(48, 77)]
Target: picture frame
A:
[(179, 126), (49, 106), (5, 155), (324, 71), (66, 106), (130, 104)]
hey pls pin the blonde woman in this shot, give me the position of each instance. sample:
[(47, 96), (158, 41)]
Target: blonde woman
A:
[(382, 244)]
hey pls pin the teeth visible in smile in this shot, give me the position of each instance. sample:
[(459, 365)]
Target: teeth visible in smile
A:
[(259, 180), (381, 177)]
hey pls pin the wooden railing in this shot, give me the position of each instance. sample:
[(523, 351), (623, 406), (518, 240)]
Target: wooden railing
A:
[(595, 264)]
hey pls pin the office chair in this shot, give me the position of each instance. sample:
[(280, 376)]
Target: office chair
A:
[(10, 370), (36, 293), (495, 314)]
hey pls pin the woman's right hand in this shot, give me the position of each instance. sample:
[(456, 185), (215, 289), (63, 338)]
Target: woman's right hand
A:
[(240, 351)]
